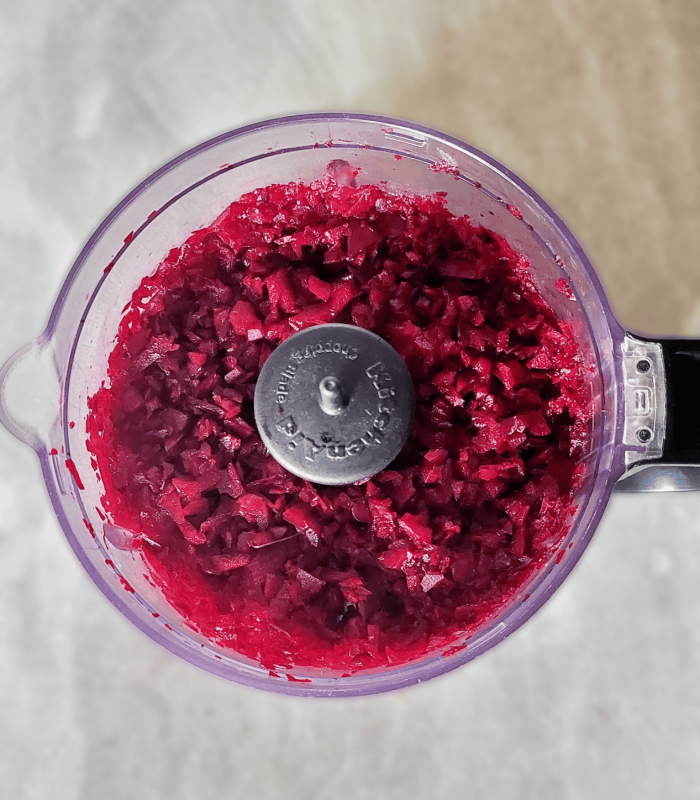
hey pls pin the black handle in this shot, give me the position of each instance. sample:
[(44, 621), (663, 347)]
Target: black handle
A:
[(682, 367)]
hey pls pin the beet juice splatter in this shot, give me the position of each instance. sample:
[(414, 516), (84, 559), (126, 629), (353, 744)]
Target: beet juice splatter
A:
[(292, 574)]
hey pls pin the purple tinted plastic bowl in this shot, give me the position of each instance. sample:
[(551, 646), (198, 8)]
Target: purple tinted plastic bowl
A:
[(45, 386)]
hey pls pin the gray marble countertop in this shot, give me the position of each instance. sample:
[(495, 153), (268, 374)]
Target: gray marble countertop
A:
[(597, 106)]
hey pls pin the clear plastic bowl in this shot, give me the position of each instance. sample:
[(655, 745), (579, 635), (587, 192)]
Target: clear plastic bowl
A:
[(45, 386)]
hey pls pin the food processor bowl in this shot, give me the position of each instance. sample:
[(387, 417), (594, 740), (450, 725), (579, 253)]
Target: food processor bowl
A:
[(44, 388)]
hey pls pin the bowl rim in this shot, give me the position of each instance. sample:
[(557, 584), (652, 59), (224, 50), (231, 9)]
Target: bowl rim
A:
[(433, 666)]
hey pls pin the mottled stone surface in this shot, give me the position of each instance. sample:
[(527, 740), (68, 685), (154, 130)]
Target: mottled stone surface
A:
[(595, 104)]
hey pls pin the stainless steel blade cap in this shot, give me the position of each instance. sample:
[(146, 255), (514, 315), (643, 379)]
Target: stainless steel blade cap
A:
[(334, 404)]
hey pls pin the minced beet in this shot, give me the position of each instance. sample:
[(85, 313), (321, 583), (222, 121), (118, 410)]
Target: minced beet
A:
[(293, 574)]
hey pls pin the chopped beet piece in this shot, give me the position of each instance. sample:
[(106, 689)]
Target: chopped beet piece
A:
[(244, 321), (357, 577), (74, 472)]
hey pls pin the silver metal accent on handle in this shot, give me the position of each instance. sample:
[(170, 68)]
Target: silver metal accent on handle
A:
[(644, 400), (660, 478)]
